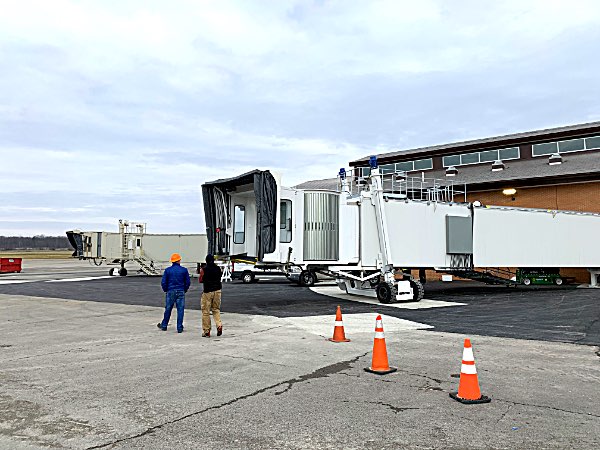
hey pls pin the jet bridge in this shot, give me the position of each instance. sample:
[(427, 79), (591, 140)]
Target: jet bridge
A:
[(372, 230), (133, 244)]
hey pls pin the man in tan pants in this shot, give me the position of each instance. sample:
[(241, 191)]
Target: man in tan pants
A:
[(211, 297)]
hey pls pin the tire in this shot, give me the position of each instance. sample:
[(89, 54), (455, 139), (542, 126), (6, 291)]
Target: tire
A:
[(123, 271), (418, 290), (558, 281), (247, 276), (526, 281), (307, 278), (111, 271), (385, 293)]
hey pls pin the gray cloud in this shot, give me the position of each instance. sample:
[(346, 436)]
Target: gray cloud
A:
[(125, 110)]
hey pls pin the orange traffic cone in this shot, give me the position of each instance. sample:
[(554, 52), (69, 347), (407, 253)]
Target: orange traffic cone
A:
[(468, 385), (338, 330), (379, 364)]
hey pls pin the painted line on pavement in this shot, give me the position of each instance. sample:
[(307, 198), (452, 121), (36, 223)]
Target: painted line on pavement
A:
[(67, 280), (354, 324)]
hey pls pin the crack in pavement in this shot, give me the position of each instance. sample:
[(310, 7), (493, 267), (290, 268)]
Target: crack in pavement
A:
[(550, 407), (396, 409), (77, 349), (349, 375), (267, 329), (421, 376), (504, 413), (319, 373), (250, 359)]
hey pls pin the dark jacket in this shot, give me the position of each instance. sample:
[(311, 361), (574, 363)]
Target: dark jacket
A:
[(175, 277), (212, 278)]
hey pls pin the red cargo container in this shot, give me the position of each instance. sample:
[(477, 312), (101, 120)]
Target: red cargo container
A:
[(9, 265)]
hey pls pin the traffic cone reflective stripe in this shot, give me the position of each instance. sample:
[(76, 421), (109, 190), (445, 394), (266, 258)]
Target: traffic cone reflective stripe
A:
[(379, 363), (468, 385), (338, 330)]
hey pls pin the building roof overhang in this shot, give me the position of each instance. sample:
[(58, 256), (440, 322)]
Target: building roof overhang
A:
[(509, 140)]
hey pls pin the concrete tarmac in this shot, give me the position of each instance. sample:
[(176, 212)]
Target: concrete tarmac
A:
[(95, 372)]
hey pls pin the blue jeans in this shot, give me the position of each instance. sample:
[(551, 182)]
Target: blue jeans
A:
[(174, 297)]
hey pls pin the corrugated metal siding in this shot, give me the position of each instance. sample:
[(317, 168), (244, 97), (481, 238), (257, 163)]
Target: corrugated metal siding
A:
[(321, 226)]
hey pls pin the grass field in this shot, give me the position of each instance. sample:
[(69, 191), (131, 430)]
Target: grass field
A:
[(36, 254)]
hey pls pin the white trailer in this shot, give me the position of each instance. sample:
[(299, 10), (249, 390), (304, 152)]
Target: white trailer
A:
[(373, 230), (132, 243)]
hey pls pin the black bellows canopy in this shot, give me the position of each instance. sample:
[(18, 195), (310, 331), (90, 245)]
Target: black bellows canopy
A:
[(76, 242), (216, 197)]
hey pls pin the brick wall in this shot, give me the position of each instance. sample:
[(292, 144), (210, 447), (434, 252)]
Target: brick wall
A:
[(571, 197)]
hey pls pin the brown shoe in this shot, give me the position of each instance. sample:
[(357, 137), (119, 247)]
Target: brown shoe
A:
[(206, 334), (220, 330)]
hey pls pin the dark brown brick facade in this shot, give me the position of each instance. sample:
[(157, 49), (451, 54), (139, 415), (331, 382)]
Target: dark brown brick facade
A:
[(566, 197)]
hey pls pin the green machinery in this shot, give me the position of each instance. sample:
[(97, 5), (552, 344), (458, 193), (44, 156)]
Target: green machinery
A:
[(530, 275)]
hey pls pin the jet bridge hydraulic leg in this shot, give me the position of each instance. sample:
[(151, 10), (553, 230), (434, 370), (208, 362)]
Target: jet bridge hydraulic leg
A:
[(389, 290)]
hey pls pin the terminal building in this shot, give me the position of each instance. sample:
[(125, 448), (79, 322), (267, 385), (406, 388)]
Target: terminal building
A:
[(555, 169)]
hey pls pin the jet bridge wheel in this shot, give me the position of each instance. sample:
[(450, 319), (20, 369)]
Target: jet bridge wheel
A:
[(418, 290), (122, 271), (307, 278), (386, 292)]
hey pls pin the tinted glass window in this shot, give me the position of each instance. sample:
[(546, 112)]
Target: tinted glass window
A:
[(593, 142), (239, 224), (509, 153), (488, 156), (387, 168), (571, 146), (423, 164), (404, 166), (545, 149), (469, 158), (453, 160), (285, 221)]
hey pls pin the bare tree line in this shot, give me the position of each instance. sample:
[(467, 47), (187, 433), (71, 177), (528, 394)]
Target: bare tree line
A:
[(34, 243)]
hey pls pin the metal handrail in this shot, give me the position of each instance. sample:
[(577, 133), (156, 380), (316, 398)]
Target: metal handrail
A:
[(412, 188)]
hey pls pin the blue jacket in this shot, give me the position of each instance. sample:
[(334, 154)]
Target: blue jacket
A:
[(175, 277)]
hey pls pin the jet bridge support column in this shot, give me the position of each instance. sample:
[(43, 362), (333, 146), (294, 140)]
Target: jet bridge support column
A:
[(389, 289), (384, 240)]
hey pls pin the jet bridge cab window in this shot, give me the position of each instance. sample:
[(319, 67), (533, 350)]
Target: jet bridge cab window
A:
[(285, 221), (239, 224)]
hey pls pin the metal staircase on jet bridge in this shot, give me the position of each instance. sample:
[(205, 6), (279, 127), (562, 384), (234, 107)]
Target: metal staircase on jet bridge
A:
[(485, 276), (146, 266)]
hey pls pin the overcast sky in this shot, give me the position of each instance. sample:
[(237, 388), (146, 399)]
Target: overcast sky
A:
[(122, 109)]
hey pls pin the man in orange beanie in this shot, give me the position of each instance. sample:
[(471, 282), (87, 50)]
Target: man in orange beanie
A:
[(175, 282)]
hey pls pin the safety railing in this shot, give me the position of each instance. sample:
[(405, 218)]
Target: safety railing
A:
[(400, 185)]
